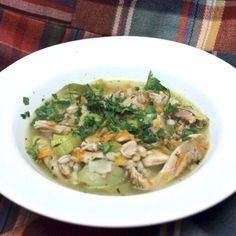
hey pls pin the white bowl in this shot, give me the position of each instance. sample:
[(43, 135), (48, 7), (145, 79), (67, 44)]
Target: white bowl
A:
[(206, 80)]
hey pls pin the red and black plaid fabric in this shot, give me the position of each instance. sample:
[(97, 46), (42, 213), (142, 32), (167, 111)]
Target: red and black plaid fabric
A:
[(29, 25)]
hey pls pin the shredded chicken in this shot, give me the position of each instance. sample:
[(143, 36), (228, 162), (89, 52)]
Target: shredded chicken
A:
[(138, 179), (128, 149), (187, 153), (137, 100), (186, 115), (155, 157), (158, 98), (86, 145), (45, 125)]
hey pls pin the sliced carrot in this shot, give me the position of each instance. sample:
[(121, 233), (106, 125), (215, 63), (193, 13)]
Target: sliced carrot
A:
[(120, 161), (52, 123), (45, 152), (179, 160), (79, 154), (124, 136)]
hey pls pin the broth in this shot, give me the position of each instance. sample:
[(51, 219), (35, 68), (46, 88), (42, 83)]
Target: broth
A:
[(117, 137)]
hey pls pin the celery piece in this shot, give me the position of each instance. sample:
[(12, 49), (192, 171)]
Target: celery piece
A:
[(133, 122), (58, 139), (96, 180), (70, 90), (115, 146), (64, 144), (100, 166)]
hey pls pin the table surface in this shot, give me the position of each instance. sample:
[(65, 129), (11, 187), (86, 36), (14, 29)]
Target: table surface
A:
[(29, 25)]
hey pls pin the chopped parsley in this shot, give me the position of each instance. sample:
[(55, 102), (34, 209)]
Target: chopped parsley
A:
[(47, 112), (161, 133), (147, 136), (26, 100), (33, 150), (189, 131), (25, 115), (52, 110), (170, 109)]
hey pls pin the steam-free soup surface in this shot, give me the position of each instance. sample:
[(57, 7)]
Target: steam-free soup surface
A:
[(117, 137)]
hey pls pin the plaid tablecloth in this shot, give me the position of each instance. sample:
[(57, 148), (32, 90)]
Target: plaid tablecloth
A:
[(30, 25)]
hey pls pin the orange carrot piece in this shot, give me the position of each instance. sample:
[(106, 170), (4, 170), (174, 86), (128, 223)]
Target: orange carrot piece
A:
[(45, 152), (52, 123), (179, 160), (79, 154), (124, 135), (120, 161), (157, 122)]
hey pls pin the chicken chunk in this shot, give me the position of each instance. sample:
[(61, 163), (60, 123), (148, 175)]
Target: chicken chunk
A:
[(186, 115), (187, 153), (154, 157), (139, 180), (45, 125), (137, 100), (129, 149), (158, 98)]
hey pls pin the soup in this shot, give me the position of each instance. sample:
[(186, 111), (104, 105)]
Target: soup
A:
[(117, 137)]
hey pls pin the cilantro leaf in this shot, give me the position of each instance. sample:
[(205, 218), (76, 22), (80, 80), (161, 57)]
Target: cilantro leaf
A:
[(170, 109), (26, 100), (147, 136), (94, 102), (154, 84), (150, 108), (33, 150), (60, 106), (47, 112), (25, 115), (92, 121), (189, 131), (161, 133)]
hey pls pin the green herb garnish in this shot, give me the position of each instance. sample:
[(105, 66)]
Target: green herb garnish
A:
[(154, 84), (26, 100), (105, 147), (25, 115), (170, 109), (33, 150), (187, 132)]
